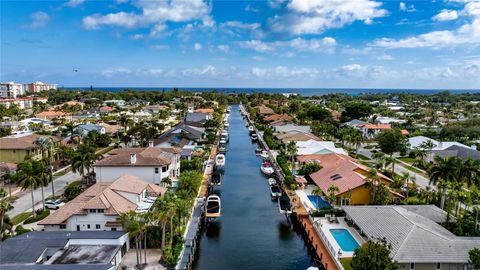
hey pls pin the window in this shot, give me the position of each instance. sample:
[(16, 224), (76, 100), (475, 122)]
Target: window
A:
[(114, 229), (164, 169), (412, 266), (88, 226), (100, 210), (97, 226), (156, 170), (92, 210), (439, 266), (63, 226)]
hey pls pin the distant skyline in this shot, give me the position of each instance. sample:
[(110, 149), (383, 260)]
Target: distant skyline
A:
[(259, 44)]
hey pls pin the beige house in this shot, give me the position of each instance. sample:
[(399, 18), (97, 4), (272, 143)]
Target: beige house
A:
[(14, 149)]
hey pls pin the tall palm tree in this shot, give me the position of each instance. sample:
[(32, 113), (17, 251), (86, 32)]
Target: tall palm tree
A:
[(317, 192), (130, 222), (27, 176), (442, 172), (45, 144), (5, 206), (292, 152), (332, 189), (83, 158), (380, 158), (469, 172), (372, 180)]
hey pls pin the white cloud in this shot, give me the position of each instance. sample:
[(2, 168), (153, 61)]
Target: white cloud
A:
[(154, 13), (276, 3), (467, 34), (249, 8), (235, 28), (38, 19), (325, 45), (197, 46), (223, 48), (446, 15), (132, 72), (159, 47), (284, 72), (386, 57), (403, 7), (74, 3), (316, 16)]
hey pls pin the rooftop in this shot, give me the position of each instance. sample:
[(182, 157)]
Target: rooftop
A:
[(22, 141), (145, 156)]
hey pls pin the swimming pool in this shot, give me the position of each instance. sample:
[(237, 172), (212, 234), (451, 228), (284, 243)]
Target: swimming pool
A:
[(321, 202), (344, 239)]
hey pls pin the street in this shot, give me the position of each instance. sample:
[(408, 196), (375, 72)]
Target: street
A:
[(24, 202)]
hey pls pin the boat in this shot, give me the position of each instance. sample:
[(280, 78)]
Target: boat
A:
[(223, 142), (220, 161), (213, 207), (272, 181), (222, 148), (267, 168), (216, 178), (254, 137), (229, 109), (284, 205), (226, 125), (224, 135), (258, 151), (251, 129), (264, 154), (275, 192)]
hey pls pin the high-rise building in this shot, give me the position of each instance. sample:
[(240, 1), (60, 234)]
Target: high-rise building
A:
[(40, 86), (12, 90)]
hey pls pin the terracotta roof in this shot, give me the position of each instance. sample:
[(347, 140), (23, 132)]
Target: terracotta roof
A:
[(296, 136), (339, 170), (50, 114), (106, 108), (110, 128), (404, 132), (277, 117), (265, 110), (103, 196), (375, 126), (22, 142), (146, 156), (205, 110)]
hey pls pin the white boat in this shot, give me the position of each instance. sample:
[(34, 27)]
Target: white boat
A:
[(223, 141), (272, 181), (224, 135), (275, 192), (267, 168), (254, 137), (251, 129), (258, 151), (226, 125), (213, 207), (220, 161), (264, 154), (284, 205), (222, 149)]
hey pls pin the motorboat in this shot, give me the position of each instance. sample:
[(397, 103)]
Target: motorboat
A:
[(272, 181), (264, 154), (226, 125), (224, 135), (213, 207), (254, 137), (216, 179), (284, 205), (267, 168), (229, 109), (258, 151), (223, 141), (220, 161), (222, 148), (251, 129), (275, 192)]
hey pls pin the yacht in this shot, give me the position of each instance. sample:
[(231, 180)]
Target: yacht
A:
[(258, 151), (284, 205), (224, 135), (229, 109), (226, 125), (222, 148), (216, 178), (254, 137), (264, 154), (267, 168), (251, 129), (220, 161), (272, 181), (275, 192), (213, 207)]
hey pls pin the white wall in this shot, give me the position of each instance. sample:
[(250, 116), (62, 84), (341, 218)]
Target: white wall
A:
[(147, 174)]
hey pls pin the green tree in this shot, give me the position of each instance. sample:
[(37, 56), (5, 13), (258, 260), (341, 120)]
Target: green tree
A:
[(442, 172), (382, 195), (309, 168), (373, 255), (356, 109), (46, 147), (317, 192), (474, 256), (332, 190), (5, 206), (391, 141), (82, 159), (132, 224), (27, 178), (72, 191)]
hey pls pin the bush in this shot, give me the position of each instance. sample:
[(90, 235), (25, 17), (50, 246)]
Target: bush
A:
[(309, 168), (195, 164), (20, 217), (72, 191), (21, 230), (41, 214), (283, 163)]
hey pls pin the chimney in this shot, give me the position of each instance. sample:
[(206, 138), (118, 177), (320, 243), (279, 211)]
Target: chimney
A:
[(150, 143), (473, 147), (133, 158)]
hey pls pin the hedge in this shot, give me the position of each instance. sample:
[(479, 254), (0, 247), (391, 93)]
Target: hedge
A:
[(40, 215)]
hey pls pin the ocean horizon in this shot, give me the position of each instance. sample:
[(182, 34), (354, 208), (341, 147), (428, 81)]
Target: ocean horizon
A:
[(299, 91)]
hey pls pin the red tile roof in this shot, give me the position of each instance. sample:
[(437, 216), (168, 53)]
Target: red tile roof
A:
[(375, 126), (277, 117)]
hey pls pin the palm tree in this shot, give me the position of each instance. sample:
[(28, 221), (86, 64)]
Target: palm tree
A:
[(469, 172), (380, 158), (5, 206), (372, 180), (420, 155), (27, 176), (45, 145), (161, 216), (83, 158), (317, 192), (442, 172), (292, 152), (130, 223), (332, 189), (406, 177)]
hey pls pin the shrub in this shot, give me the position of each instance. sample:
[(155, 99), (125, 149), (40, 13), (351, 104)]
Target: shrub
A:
[(21, 230), (283, 163), (72, 191), (41, 214)]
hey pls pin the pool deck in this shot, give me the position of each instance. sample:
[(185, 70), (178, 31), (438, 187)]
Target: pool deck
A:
[(323, 227)]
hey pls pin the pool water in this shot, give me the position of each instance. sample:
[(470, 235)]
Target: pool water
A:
[(344, 239), (321, 202)]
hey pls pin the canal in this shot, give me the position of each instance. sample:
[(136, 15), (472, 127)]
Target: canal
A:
[(251, 234)]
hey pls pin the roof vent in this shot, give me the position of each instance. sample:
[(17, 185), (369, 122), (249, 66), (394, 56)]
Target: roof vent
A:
[(133, 158), (150, 143)]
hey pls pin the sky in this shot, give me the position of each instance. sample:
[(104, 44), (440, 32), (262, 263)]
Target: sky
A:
[(423, 44)]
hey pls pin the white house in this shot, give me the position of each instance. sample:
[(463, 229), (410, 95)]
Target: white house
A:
[(311, 147), (150, 164), (98, 207), (420, 141)]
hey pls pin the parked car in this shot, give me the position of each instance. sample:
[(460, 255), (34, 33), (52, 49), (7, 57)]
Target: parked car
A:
[(50, 204)]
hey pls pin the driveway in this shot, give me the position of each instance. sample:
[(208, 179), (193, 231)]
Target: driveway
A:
[(24, 201)]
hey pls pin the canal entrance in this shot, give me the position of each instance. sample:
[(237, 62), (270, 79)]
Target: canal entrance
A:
[(251, 234)]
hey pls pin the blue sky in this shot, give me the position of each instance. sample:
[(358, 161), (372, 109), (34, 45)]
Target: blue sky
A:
[(275, 43)]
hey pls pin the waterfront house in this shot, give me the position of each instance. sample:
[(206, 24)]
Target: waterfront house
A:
[(417, 240), (99, 250), (345, 173), (49, 115), (205, 110), (15, 148), (296, 136), (150, 164), (99, 207), (197, 119), (292, 127), (311, 147), (278, 117)]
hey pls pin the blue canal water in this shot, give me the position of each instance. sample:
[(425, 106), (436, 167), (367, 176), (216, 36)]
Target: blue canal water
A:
[(251, 234), (344, 239)]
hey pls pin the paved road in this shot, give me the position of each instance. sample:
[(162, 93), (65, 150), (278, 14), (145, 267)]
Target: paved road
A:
[(399, 169), (24, 202)]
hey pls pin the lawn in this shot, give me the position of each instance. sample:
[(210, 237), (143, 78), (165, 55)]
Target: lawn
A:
[(407, 159), (346, 263), (413, 169), (362, 157), (20, 217)]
